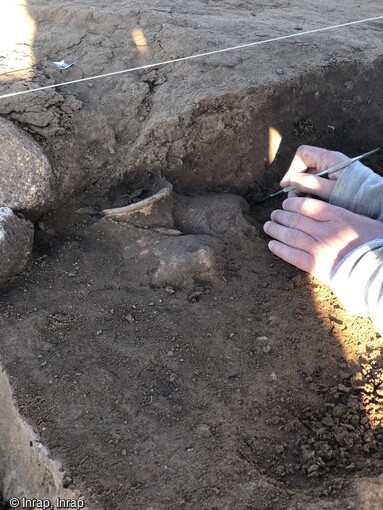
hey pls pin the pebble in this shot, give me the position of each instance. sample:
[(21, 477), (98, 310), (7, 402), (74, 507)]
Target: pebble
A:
[(313, 468), (195, 296), (203, 430)]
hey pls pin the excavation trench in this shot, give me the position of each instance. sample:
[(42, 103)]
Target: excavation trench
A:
[(122, 365), (223, 143)]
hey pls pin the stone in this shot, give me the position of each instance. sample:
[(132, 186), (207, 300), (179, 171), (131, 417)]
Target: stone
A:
[(203, 431), (187, 259), (16, 241), (26, 176), (224, 216)]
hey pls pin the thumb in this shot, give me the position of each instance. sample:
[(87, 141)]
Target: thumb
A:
[(307, 183)]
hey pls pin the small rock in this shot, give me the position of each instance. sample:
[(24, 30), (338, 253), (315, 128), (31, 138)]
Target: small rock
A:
[(307, 453), (343, 389), (203, 430), (188, 259), (195, 296), (87, 211), (313, 468), (45, 228), (328, 421)]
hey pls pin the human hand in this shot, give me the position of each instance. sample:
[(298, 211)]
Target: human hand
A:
[(319, 159), (314, 236)]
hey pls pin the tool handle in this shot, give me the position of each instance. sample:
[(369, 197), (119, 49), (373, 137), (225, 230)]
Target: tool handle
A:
[(331, 170), (335, 168)]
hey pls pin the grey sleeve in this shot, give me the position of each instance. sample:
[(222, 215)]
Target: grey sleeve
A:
[(359, 190), (358, 282)]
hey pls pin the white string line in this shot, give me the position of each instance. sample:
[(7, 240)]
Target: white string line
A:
[(190, 57)]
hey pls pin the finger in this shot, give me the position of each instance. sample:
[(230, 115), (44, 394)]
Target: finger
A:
[(307, 183), (295, 193), (305, 157), (289, 236), (312, 157), (297, 166), (321, 159), (313, 208), (294, 220), (295, 256)]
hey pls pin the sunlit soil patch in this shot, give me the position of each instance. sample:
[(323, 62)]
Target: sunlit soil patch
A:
[(17, 31)]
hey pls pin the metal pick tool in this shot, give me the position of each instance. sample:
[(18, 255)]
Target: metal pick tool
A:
[(329, 171)]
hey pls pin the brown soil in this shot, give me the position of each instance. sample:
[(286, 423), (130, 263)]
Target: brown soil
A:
[(255, 390)]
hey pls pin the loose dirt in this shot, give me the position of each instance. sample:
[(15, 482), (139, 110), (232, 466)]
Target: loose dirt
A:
[(253, 389)]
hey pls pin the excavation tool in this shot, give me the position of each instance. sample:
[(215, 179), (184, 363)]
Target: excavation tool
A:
[(329, 171)]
